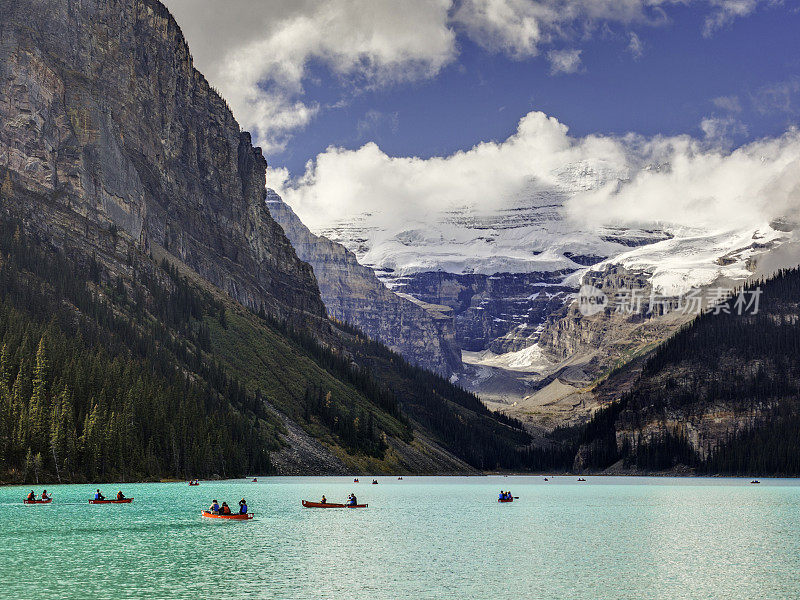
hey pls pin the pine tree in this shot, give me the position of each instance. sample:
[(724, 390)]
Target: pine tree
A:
[(5, 367), (20, 409), (40, 403)]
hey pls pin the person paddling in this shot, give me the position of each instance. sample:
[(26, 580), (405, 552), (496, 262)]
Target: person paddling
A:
[(120, 495), (352, 500), (44, 495), (214, 507), (324, 500), (242, 506), (31, 497), (225, 510), (99, 496)]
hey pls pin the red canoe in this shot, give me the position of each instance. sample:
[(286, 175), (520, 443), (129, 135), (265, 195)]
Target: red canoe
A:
[(48, 501), (233, 516), (123, 501), (505, 499), (308, 504), (193, 484)]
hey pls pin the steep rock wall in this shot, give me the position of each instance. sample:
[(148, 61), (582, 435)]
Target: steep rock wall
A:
[(105, 121), (354, 294)]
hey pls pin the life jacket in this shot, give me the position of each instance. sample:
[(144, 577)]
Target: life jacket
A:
[(243, 509), (31, 496), (215, 507), (226, 510), (120, 495), (97, 496)]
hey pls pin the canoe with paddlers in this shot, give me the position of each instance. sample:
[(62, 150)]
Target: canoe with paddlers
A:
[(308, 504), (233, 516)]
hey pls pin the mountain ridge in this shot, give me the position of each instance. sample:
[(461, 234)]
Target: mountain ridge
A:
[(353, 293)]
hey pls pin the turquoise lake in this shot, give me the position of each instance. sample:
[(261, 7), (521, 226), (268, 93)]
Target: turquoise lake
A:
[(422, 537)]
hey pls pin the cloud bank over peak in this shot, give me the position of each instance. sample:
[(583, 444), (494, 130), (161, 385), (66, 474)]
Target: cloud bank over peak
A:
[(678, 182)]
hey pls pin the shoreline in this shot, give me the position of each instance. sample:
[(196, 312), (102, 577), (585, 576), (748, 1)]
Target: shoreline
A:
[(248, 479)]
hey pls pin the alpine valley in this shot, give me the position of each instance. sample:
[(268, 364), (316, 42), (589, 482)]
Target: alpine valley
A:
[(164, 314)]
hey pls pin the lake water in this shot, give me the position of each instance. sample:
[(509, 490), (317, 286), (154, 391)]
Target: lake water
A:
[(423, 537)]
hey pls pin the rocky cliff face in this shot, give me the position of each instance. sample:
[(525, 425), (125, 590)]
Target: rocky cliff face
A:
[(123, 147), (352, 293), (499, 312)]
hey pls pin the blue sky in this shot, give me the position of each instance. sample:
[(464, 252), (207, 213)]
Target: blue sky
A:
[(745, 74)]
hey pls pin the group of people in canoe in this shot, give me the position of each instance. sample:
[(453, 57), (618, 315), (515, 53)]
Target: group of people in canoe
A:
[(351, 500), (99, 496), (216, 509), (32, 496), (505, 495)]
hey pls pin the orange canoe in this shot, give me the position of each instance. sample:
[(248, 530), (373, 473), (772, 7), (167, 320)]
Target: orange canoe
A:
[(505, 499), (123, 501), (308, 504), (233, 516), (48, 501)]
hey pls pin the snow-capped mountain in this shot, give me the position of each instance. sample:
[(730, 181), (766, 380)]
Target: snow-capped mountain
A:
[(503, 273)]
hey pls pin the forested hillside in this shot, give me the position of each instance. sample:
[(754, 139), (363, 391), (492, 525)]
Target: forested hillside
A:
[(720, 396), (156, 376), (89, 392)]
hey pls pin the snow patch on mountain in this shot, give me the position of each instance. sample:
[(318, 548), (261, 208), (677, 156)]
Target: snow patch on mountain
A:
[(527, 360)]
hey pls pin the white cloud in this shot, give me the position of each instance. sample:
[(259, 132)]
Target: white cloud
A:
[(729, 103), (520, 27), (258, 54), (564, 61), (515, 27), (680, 181), (347, 183), (635, 46), (726, 11), (779, 97), (722, 131), (698, 185)]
